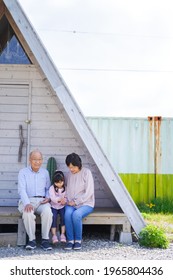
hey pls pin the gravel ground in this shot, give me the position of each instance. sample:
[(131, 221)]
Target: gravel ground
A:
[(95, 246)]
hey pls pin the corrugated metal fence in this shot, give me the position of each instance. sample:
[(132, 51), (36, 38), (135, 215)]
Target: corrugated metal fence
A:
[(141, 152)]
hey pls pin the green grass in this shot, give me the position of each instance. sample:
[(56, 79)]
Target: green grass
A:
[(157, 205), (161, 220), (159, 212)]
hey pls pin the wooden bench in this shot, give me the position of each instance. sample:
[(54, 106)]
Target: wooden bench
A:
[(100, 216)]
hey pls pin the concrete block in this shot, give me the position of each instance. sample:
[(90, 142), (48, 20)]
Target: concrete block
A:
[(125, 237), (8, 239)]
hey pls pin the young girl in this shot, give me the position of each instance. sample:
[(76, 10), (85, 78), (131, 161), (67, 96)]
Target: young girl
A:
[(57, 195)]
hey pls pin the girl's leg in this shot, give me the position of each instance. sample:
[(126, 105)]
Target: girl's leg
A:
[(62, 223), (62, 236), (54, 226), (62, 229), (62, 217)]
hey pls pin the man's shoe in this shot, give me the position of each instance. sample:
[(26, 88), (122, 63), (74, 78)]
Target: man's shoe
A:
[(77, 246), (31, 245), (45, 245), (69, 246)]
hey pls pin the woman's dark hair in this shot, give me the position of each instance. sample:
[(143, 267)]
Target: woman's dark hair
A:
[(57, 177), (74, 159)]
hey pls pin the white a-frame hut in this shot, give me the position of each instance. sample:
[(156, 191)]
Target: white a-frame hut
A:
[(38, 111)]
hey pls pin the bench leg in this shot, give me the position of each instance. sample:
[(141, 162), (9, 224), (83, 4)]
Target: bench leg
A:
[(125, 237), (21, 234), (112, 232), (125, 234)]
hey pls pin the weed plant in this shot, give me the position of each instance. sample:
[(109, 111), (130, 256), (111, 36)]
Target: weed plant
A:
[(158, 216), (153, 237), (157, 205)]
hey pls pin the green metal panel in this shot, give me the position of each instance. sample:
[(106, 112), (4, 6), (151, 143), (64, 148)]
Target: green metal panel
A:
[(164, 183), (140, 186)]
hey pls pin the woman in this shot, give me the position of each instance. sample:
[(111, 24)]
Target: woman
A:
[(80, 200)]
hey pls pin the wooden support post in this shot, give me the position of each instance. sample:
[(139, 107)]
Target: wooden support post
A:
[(112, 232), (21, 233)]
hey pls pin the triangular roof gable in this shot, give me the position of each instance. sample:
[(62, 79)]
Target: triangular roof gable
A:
[(42, 59)]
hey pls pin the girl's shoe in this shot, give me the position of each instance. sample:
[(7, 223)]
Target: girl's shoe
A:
[(62, 238), (54, 239)]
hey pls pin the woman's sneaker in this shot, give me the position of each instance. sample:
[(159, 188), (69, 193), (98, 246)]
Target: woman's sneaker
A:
[(62, 238), (69, 246), (77, 246), (31, 245)]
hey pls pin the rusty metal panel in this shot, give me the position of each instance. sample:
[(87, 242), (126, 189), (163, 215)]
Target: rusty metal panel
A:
[(164, 159), (141, 151), (165, 149), (128, 142)]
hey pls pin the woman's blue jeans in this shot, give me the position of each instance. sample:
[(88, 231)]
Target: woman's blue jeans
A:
[(73, 221)]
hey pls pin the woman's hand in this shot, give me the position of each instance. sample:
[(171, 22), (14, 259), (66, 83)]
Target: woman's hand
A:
[(71, 203)]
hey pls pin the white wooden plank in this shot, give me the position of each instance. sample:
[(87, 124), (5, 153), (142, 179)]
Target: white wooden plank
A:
[(58, 124), (9, 176), (14, 100), (4, 133), (51, 108), (41, 89), (62, 142), (7, 124), (11, 159), (12, 167), (9, 142), (13, 109), (20, 72), (46, 117), (9, 202), (43, 100), (59, 133), (6, 150), (4, 193), (19, 91), (12, 184), (10, 117)]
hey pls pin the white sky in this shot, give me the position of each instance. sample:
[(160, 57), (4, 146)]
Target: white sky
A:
[(116, 56)]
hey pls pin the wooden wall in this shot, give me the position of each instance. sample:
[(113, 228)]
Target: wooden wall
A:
[(27, 100)]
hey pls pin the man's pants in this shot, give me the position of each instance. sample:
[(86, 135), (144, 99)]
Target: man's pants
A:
[(29, 218)]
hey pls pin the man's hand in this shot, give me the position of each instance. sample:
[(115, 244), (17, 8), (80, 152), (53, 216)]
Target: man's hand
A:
[(28, 208), (45, 200)]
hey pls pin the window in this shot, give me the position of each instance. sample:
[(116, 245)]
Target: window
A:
[(11, 51)]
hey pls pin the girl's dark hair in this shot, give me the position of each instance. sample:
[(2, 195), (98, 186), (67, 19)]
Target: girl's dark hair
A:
[(74, 159), (58, 176)]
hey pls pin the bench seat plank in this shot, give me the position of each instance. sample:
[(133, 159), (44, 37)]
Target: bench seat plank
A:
[(100, 216)]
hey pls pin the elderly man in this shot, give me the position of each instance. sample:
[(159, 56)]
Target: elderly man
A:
[(33, 188)]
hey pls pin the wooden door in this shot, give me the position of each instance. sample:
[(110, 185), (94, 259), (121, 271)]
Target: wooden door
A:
[(14, 138)]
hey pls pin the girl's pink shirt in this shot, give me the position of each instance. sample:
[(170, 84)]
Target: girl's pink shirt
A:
[(55, 196)]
